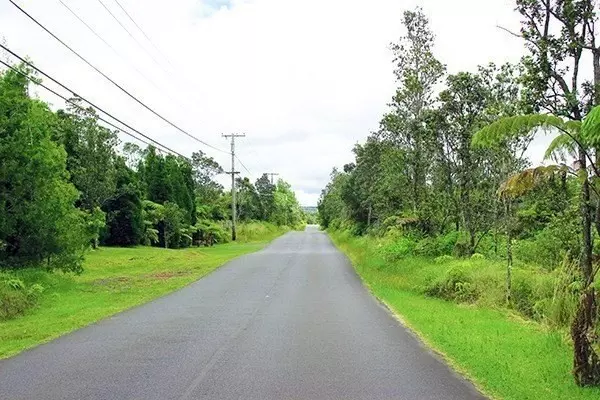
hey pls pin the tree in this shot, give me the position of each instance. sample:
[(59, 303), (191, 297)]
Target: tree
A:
[(124, 211), (91, 155), (38, 219), (266, 191), (417, 71), (248, 200), (287, 210)]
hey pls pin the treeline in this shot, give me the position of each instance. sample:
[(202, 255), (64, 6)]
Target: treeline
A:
[(446, 172), (67, 184)]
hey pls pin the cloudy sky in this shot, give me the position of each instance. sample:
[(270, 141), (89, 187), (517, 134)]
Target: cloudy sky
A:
[(304, 79)]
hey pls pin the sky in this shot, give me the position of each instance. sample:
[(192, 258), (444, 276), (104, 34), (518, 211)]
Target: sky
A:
[(305, 80)]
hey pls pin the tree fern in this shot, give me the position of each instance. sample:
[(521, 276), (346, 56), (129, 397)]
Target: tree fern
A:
[(521, 183), (562, 148), (509, 128), (590, 130)]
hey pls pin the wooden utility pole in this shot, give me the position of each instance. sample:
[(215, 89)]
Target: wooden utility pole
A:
[(272, 174), (233, 173)]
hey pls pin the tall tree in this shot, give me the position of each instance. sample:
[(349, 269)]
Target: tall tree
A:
[(38, 219), (417, 71)]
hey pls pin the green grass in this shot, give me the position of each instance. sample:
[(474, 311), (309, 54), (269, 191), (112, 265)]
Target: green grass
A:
[(506, 356), (114, 280)]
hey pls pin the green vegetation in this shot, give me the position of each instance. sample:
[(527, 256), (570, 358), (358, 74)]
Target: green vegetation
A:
[(67, 185), (445, 177), (507, 356), (115, 279)]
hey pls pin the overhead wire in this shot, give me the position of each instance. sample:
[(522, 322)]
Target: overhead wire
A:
[(113, 82), (82, 98), (131, 35), (143, 32), (116, 52), (242, 164)]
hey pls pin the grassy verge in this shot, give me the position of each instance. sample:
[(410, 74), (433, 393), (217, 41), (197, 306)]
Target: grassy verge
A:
[(505, 355), (114, 280)]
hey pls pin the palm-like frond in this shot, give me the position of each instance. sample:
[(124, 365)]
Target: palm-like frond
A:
[(521, 183), (590, 130), (515, 127), (561, 148)]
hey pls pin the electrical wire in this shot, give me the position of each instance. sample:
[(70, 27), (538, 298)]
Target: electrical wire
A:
[(143, 33), (113, 82), (87, 101), (140, 73), (132, 36), (242, 164)]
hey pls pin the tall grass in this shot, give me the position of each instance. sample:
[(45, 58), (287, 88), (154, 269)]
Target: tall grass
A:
[(457, 306)]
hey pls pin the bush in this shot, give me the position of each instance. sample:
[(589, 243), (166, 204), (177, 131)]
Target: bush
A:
[(398, 249), (443, 259), (455, 284), (547, 249), (427, 247), (16, 298)]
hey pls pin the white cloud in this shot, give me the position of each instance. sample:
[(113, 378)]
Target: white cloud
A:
[(304, 79)]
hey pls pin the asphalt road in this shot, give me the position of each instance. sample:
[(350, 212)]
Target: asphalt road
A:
[(292, 321)]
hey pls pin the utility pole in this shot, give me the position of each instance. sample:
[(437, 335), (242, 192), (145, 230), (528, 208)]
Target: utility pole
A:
[(272, 174), (233, 173)]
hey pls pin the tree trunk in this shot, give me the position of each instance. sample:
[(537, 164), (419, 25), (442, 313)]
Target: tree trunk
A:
[(509, 256), (586, 365), (597, 213)]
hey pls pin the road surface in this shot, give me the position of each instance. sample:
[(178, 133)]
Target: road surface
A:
[(292, 321)]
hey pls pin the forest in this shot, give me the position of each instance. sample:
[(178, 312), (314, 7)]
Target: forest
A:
[(444, 195), (69, 185)]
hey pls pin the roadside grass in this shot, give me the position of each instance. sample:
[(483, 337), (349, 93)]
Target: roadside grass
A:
[(506, 356), (114, 280)]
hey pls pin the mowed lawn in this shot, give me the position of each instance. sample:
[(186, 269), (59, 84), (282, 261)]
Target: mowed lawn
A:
[(114, 280), (506, 356)]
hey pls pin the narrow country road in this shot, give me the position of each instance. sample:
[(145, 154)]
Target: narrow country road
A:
[(292, 321)]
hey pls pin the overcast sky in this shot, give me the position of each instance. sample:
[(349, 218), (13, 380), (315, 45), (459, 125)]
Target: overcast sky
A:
[(304, 79)]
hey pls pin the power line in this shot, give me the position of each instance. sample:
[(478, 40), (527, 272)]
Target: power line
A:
[(115, 51), (131, 35), (113, 82), (83, 109), (143, 33), (242, 164), (84, 99)]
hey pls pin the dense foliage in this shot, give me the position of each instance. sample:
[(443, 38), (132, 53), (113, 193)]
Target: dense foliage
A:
[(446, 173), (67, 184)]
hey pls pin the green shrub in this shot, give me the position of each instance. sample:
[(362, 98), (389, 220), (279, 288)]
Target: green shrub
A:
[(443, 259), (398, 249), (16, 298), (447, 242), (427, 247), (456, 284), (522, 297), (478, 256)]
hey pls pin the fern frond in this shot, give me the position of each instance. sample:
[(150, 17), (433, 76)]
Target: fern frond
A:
[(521, 183), (561, 148), (515, 127), (590, 130)]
